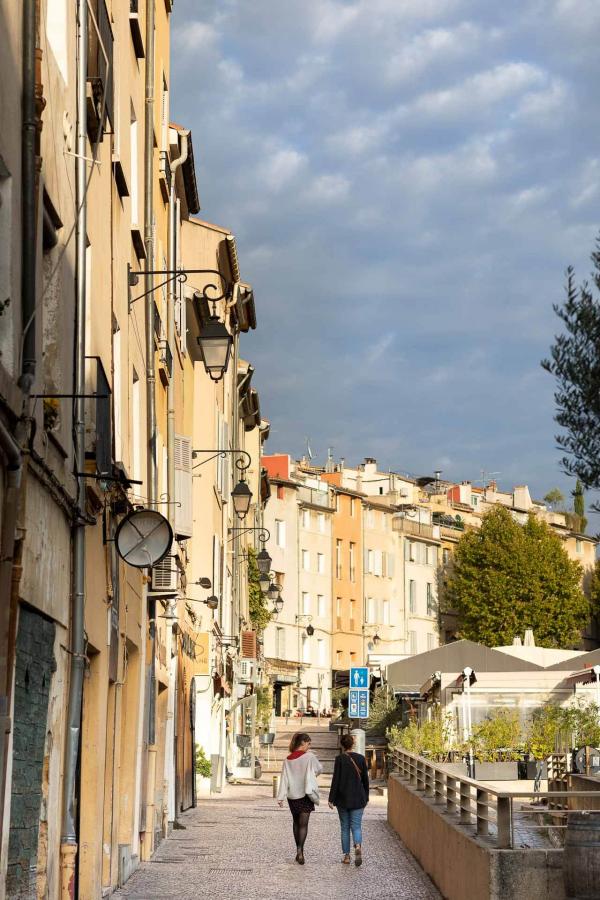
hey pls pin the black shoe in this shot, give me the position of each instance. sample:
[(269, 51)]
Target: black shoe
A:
[(300, 857)]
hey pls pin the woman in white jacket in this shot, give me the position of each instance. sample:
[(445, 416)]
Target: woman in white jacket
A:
[(298, 784)]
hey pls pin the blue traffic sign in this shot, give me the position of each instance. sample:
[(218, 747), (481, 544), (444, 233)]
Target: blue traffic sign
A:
[(359, 677), (358, 703)]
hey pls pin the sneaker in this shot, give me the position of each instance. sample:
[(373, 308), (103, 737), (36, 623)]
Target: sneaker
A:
[(346, 859), (357, 856)]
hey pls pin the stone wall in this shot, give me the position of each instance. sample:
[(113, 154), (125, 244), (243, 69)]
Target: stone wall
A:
[(463, 867)]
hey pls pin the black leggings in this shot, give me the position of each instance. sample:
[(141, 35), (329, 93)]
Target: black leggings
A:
[(300, 828)]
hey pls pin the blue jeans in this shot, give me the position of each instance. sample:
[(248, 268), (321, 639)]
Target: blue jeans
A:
[(350, 821)]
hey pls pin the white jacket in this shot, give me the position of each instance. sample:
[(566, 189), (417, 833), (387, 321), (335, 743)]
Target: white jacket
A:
[(298, 776)]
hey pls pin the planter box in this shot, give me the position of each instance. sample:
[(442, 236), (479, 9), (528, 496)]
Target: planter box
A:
[(202, 786), (486, 771)]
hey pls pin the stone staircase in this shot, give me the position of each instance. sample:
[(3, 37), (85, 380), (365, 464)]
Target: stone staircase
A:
[(324, 744)]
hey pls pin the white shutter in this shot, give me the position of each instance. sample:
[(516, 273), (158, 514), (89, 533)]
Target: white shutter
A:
[(183, 486), (391, 565)]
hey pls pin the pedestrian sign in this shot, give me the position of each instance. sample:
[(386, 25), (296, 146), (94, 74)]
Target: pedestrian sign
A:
[(359, 677), (358, 703)]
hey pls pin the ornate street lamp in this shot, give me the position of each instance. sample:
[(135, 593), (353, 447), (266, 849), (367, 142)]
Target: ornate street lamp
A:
[(278, 605), (274, 591), (376, 639), (242, 497), (215, 344), (310, 630), (265, 583), (263, 561)]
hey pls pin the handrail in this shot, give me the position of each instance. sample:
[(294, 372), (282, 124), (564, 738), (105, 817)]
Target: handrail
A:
[(477, 804)]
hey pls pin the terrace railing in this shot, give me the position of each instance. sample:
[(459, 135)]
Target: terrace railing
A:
[(503, 818)]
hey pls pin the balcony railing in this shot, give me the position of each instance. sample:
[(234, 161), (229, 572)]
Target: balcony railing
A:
[(419, 529), (314, 497)]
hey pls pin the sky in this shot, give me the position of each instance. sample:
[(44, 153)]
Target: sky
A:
[(407, 181)]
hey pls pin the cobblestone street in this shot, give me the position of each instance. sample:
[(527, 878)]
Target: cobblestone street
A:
[(241, 846)]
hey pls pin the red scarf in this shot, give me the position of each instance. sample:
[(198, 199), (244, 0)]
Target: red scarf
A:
[(296, 754)]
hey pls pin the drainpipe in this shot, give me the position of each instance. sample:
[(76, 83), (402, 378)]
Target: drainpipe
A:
[(171, 265), (28, 198), (152, 471), (77, 653)]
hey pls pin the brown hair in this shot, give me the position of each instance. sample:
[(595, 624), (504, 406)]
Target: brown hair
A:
[(299, 738), (347, 742)]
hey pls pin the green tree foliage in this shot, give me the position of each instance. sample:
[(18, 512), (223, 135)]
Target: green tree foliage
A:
[(579, 508), (264, 706), (202, 763), (555, 498), (432, 738), (507, 577), (500, 730), (260, 614), (575, 363), (383, 711)]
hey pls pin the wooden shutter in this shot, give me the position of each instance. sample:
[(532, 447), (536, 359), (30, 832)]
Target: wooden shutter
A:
[(249, 645), (183, 486)]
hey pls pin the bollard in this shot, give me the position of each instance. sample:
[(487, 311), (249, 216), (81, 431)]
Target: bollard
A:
[(275, 785)]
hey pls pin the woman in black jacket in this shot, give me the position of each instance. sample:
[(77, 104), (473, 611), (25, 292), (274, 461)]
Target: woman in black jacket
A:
[(350, 793)]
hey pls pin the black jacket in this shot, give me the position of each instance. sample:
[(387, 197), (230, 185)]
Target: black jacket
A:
[(349, 789)]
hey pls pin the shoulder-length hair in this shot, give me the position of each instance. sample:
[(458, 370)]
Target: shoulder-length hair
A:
[(299, 738)]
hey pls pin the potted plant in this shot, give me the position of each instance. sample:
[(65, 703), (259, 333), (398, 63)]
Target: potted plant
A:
[(203, 771), (496, 745)]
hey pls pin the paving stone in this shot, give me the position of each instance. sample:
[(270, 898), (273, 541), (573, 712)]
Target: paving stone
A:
[(241, 846)]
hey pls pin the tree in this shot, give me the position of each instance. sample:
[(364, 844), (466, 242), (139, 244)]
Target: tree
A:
[(507, 577), (554, 498), (575, 363), (260, 614), (579, 508)]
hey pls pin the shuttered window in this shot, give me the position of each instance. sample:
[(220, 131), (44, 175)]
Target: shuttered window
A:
[(183, 486)]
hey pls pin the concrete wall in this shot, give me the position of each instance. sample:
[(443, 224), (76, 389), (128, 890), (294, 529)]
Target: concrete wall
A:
[(462, 867)]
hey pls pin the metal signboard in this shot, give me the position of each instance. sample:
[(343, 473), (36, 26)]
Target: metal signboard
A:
[(363, 705), (358, 703), (353, 704), (359, 677)]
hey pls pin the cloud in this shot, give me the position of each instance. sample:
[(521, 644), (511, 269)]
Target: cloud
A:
[(407, 182)]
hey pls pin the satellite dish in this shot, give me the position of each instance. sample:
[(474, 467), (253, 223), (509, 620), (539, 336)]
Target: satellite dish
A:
[(143, 538)]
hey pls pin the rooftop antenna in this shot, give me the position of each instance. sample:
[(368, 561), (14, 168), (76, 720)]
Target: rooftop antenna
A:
[(309, 452), (485, 476)]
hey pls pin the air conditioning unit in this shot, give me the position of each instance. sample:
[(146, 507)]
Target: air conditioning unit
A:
[(247, 671), (165, 576)]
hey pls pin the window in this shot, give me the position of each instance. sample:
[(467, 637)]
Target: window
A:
[(338, 607), (412, 642), (578, 546), (370, 518), (391, 565), (136, 428), (352, 656), (446, 556), (338, 657), (305, 648), (412, 595), (386, 612), (377, 563), (280, 493), (133, 167), (338, 558), (432, 556), (321, 652), (352, 503), (58, 35), (320, 564), (474, 500), (280, 643), (306, 518), (352, 605), (352, 561), (370, 565), (117, 398), (371, 617), (321, 606), (430, 643), (280, 533), (430, 602), (306, 561), (408, 551), (305, 603), (321, 521)]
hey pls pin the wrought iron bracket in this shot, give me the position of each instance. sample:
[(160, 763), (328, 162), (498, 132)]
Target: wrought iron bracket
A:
[(210, 292), (240, 464), (263, 533)]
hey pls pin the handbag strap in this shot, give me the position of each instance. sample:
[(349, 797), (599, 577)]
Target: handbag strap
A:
[(357, 770)]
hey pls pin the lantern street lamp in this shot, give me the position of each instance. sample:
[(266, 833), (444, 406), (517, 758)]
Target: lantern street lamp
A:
[(212, 602), (310, 630), (278, 605), (265, 583), (241, 496), (274, 591), (215, 344), (263, 561)]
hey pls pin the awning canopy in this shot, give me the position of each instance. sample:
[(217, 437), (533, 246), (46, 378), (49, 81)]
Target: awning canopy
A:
[(584, 676)]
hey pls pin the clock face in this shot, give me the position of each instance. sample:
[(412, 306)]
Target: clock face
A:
[(143, 538)]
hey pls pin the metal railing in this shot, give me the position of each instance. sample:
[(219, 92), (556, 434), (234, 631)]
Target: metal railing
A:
[(500, 817)]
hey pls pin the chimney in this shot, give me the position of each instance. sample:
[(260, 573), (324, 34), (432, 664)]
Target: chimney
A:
[(529, 640), (517, 642)]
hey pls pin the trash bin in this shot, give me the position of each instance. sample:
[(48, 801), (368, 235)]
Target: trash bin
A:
[(360, 740)]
